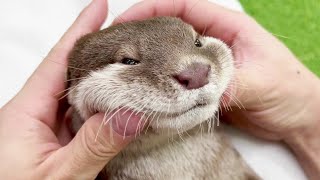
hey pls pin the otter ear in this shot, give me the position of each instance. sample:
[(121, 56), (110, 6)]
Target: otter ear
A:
[(128, 54)]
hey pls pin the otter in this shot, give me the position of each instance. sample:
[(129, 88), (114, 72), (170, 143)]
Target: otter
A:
[(172, 75)]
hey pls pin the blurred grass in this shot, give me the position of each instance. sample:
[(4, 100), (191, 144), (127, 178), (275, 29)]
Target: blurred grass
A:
[(299, 20)]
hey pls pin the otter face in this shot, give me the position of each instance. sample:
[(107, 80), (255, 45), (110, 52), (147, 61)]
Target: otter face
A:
[(161, 67)]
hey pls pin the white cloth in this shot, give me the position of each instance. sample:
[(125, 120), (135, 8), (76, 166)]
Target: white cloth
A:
[(28, 30)]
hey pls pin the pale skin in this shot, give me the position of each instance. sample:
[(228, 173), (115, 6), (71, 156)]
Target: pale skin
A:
[(280, 97)]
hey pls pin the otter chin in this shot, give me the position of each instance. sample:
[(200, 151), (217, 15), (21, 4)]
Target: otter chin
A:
[(168, 76)]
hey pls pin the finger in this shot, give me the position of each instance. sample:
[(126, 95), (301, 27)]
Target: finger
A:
[(92, 149), (203, 15), (48, 80)]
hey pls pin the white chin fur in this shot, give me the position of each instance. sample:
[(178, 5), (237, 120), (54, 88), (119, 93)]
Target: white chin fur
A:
[(185, 121)]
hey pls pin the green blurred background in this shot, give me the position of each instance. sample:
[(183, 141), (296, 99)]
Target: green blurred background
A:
[(297, 20)]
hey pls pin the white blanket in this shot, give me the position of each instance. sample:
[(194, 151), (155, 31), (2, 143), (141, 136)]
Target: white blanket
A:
[(28, 29)]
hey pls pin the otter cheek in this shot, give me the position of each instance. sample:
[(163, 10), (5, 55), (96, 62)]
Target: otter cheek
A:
[(126, 122)]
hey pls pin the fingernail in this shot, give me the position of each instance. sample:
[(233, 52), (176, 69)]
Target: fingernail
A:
[(127, 123)]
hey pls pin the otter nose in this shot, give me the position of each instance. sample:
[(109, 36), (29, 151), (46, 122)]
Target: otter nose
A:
[(194, 77)]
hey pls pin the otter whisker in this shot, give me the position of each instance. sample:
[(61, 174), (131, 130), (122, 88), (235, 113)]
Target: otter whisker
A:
[(157, 121), (112, 102), (174, 8), (204, 31), (142, 107), (147, 112), (100, 127), (103, 122), (157, 113), (283, 36), (209, 125), (118, 17), (69, 91), (186, 132), (149, 116), (201, 130), (171, 122), (74, 79), (108, 111), (152, 111), (220, 108), (147, 120), (152, 120), (169, 104), (141, 118), (214, 120), (231, 98), (180, 135), (125, 127), (236, 100), (225, 105), (106, 122), (194, 5), (68, 65), (139, 124), (64, 91), (133, 105)]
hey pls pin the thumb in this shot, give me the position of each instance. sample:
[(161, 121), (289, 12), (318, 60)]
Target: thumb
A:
[(96, 143)]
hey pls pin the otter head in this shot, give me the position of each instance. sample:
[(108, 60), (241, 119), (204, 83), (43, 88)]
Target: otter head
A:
[(160, 67)]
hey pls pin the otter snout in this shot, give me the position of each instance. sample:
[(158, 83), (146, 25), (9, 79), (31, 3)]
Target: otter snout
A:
[(194, 76)]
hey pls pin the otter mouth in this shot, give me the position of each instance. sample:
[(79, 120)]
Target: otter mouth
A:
[(167, 114), (147, 113), (176, 114), (156, 119), (198, 105)]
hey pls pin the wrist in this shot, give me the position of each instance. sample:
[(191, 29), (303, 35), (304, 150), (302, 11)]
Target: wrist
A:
[(308, 133), (307, 113), (305, 137), (304, 141), (306, 147)]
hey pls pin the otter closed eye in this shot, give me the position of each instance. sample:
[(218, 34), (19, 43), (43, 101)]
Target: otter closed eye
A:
[(129, 61)]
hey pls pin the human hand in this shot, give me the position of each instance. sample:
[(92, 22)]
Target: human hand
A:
[(275, 94), (36, 142)]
